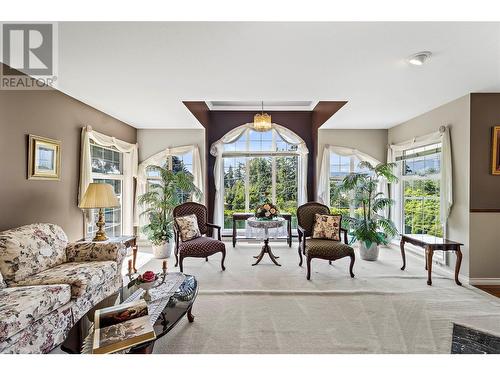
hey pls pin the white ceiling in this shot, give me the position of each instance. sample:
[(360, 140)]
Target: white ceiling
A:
[(141, 72)]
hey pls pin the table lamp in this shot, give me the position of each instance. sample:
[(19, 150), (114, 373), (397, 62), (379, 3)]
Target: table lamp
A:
[(99, 196)]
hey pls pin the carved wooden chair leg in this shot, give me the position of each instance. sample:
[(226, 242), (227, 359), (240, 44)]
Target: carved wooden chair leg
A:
[(176, 259), (300, 257), (308, 268), (222, 260), (353, 258)]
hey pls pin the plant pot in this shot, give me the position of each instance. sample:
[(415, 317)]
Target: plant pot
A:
[(163, 251), (368, 253)]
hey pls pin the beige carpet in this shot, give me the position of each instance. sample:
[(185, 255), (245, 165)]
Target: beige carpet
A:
[(270, 309)]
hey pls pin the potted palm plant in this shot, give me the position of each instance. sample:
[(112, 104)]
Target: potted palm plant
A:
[(172, 189), (369, 227)]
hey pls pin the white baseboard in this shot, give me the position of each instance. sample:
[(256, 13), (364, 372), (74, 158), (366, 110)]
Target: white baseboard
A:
[(485, 281)]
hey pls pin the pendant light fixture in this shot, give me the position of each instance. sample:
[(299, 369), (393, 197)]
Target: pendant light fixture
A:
[(262, 121)]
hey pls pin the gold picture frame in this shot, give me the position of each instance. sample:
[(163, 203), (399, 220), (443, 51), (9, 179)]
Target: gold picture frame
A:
[(495, 151), (44, 158)]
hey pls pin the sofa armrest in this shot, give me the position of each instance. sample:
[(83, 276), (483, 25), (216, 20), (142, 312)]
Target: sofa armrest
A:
[(92, 251)]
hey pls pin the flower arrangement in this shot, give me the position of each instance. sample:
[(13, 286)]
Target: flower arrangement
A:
[(146, 281), (148, 278), (267, 211)]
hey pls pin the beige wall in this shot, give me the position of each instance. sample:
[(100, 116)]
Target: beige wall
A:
[(152, 141), (370, 141), (51, 114), (456, 114)]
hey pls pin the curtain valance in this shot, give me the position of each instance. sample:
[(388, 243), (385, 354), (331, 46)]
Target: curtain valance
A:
[(160, 159), (232, 136)]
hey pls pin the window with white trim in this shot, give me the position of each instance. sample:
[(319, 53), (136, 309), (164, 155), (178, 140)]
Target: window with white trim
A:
[(256, 165), (341, 202), (175, 163), (420, 190), (107, 167)]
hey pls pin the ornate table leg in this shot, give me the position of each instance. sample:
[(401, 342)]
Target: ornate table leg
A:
[(458, 263), (403, 255), (266, 249), (262, 252), (272, 256), (429, 252)]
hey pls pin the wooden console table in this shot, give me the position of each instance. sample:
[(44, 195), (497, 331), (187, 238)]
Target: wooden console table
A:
[(128, 241), (430, 244), (243, 216)]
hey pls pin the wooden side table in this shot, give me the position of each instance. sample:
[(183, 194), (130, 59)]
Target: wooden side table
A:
[(128, 241), (243, 216), (430, 244)]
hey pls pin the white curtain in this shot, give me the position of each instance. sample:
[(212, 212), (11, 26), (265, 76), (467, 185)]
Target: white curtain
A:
[(324, 171), (446, 188), (159, 159), (129, 151), (217, 149)]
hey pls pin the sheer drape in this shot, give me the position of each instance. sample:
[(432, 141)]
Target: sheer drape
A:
[(217, 149), (446, 183), (160, 159), (129, 151), (324, 171)]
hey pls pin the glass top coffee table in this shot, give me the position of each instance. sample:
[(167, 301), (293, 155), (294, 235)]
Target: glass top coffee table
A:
[(178, 305)]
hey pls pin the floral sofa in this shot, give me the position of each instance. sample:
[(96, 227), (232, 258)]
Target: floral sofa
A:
[(47, 285)]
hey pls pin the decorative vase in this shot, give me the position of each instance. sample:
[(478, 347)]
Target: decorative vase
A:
[(368, 253), (146, 287), (163, 251)]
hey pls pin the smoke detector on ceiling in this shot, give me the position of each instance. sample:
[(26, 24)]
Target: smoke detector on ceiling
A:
[(419, 58)]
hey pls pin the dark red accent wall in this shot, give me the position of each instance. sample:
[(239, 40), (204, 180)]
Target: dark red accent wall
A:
[(222, 122)]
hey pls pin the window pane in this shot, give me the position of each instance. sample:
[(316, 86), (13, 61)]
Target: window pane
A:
[(105, 160), (234, 190), (286, 185), (260, 176), (422, 161), (422, 207)]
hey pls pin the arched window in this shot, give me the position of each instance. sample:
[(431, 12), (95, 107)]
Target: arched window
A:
[(255, 165), (340, 166), (336, 163)]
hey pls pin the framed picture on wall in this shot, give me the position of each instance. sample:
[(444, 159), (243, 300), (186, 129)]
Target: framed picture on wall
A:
[(44, 158), (495, 151)]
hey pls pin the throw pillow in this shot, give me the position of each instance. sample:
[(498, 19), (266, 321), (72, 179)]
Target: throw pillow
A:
[(327, 227), (188, 227)]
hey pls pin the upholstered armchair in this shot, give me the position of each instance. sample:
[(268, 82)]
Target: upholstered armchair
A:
[(199, 247), (319, 248)]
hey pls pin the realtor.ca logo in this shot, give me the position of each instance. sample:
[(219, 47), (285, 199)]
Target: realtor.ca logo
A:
[(28, 56)]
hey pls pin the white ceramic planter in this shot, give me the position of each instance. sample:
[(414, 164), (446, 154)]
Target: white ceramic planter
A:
[(163, 251), (370, 253)]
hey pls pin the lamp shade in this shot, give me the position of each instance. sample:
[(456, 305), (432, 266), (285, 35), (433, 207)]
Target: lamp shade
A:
[(99, 196)]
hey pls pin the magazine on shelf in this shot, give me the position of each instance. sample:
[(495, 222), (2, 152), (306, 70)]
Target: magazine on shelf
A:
[(120, 327)]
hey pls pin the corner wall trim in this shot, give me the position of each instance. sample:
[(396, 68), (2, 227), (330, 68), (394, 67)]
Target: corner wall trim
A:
[(485, 281)]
